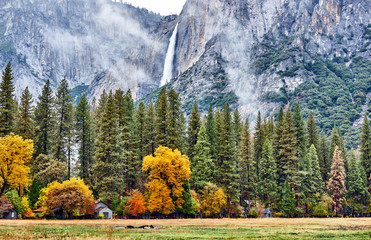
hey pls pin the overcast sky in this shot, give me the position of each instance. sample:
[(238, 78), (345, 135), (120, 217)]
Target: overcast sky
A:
[(164, 7)]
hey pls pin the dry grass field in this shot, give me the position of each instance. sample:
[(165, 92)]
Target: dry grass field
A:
[(306, 228)]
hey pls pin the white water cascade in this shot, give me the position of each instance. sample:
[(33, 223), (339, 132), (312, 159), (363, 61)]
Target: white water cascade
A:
[(168, 65)]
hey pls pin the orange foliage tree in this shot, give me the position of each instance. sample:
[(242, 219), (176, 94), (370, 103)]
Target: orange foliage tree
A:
[(72, 195), (212, 200), (168, 171), (136, 203), (15, 155)]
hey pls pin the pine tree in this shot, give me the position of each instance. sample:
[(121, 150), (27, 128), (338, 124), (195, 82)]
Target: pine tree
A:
[(45, 120), (312, 131), (140, 124), (365, 149), (228, 159), (211, 132), (202, 165), (336, 184), (337, 140), (7, 102), (268, 174), (324, 158), (288, 200), (125, 115), (64, 125), (174, 121), (300, 133), (248, 180), (317, 184), (357, 188), (277, 147), (258, 143), (140, 119), (25, 125), (108, 167), (85, 139), (194, 125), (306, 191), (150, 130), (188, 205), (288, 152), (218, 128), (344, 152), (237, 128), (161, 118)]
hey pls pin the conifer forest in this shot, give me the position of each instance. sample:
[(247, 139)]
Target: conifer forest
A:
[(153, 159)]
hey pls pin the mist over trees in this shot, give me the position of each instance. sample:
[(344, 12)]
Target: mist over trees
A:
[(155, 159)]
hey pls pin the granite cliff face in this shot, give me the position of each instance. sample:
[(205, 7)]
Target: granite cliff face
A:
[(97, 43), (237, 51), (249, 47)]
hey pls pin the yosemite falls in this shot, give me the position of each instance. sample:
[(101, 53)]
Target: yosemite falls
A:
[(169, 60)]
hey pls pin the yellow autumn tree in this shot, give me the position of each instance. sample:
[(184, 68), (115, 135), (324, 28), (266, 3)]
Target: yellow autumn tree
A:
[(72, 195), (15, 155), (168, 171), (212, 200)]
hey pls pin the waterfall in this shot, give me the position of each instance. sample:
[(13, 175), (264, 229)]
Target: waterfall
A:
[(168, 65)]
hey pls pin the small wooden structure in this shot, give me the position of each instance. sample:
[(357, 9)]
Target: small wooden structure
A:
[(9, 214), (267, 213), (103, 209), (7, 211)]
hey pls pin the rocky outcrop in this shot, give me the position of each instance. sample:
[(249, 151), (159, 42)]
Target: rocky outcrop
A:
[(119, 45), (261, 45), (226, 50)]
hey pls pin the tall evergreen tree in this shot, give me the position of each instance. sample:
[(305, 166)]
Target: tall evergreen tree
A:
[(108, 167), (174, 121), (288, 200), (25, 125), (324, 158), (64, 125), (317, 184), (288, 152), (85, 139), (365, 149), (150, 130), (194, 125), (248, 180), (344, 152), (45, 121), (202, 165), (161, 118), (268, 174), (357, 188), (312, 131), (211, 132), (277, 146), (140, 119), (228, 159), (125, 116), (7, 102), (237, 126), (218, 128), (336, 185), (300, 133), (337, 140), (258, 143)]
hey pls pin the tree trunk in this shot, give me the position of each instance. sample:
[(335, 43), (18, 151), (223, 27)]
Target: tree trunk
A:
[(249, 205)]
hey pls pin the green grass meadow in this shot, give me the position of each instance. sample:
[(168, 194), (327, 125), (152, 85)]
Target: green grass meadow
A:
[(188, 229)]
